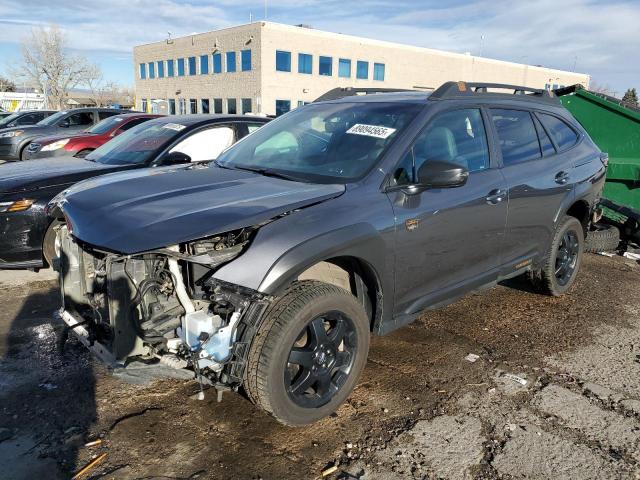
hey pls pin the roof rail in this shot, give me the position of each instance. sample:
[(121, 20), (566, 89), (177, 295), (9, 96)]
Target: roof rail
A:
[(457, 90), (341, 92)]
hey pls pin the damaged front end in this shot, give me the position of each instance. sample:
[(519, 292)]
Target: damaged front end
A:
[(162, 306)]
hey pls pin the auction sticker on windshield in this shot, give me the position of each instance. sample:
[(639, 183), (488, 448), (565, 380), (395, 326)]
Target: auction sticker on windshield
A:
[(371, 130), (174, 126)]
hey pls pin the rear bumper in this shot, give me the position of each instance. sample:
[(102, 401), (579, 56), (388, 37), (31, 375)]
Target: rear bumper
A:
[(81, 333)]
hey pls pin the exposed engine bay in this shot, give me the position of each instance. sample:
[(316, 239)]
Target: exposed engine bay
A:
[(161, 306)]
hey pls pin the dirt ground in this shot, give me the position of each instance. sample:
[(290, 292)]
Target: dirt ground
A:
[(421, 410)]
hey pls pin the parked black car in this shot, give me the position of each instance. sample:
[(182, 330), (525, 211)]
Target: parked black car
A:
[(14, 140), (23, 118), (269, 269), (27, 235)]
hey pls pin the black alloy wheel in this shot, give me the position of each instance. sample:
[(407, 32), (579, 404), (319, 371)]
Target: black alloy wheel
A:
[(567, 257), (321, 359)]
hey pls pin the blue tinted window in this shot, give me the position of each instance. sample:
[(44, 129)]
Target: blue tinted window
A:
[(362, 70), (204, 64), (325, 66), (516, 135), (217, 63), (143, 71), (181, 67), (160, 69), (563, 135), (344, 68), (378, 71), (152, 70), (170, 68), (245, 60), (231, 61), (283, 61), (282, 106), (305, 63), (192, 65)]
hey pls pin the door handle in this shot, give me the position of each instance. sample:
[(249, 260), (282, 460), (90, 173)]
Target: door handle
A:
[(562, 177), (496, 196)]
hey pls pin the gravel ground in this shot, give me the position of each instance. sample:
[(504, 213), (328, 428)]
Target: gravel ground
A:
[(554, 393)]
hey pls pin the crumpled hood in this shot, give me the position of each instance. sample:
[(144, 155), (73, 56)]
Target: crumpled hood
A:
[(153, 208), (33, 174)]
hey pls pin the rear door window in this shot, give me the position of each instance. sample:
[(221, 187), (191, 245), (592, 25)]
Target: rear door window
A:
[(28, 119), (81, 119), (517, 136), (133, 123), (564, 136), (103, 115)]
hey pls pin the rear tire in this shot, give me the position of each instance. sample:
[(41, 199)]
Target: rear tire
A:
[(604, 238), (561, 263), (308, 354)]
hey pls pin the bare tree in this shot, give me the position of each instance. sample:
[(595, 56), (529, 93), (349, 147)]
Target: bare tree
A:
[(7, 85), (47, 64), (601, 88)]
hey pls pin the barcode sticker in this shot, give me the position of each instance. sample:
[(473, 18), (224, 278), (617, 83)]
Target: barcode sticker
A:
[(371, 130)]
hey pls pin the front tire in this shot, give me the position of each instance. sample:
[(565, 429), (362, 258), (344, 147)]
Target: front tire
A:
[(562, 261), (308, 354)]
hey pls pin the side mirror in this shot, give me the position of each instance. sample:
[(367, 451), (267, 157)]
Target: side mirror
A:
[(65, 123), (440, 174), (175, 158)]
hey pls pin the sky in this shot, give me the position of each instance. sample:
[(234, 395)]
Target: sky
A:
[(600, 38)]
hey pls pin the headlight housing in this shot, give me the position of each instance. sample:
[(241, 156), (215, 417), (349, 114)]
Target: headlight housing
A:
[(16, 206), (13, 133), (55, 145)]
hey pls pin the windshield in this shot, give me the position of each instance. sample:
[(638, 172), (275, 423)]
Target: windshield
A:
[(105, 125), (137, 145), (323, 143), (53, 119)]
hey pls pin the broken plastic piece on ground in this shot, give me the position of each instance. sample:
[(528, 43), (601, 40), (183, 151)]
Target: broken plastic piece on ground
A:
[(606, 254), (472, 357), (632, 256), (515, 378), (89, 466), (328, 471), (94, 443)]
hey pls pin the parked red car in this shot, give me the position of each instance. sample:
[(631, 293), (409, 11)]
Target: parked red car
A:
[(80, 144)]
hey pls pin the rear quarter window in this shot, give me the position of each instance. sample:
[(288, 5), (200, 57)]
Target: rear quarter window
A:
[(564, 136)]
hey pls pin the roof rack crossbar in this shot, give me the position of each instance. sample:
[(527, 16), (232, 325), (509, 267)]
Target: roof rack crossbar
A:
[(341, 92), (449, 90)]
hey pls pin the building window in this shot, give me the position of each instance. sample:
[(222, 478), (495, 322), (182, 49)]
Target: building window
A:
[(192, 65), (182, 106), (160, 68), (217, 63), (204, 103), (344, 68), (231, 106), (325, 66), (204, 64), (143, 105), (378, 71), (283, 61), (181, 67), (143, 71), (302, 103), (362, 70), (193, 105), (152, 70), (217, 105), (245, 60), (246, 105), (282, 107), (172, 106), (169, 68), (305, 62), (231, 62)]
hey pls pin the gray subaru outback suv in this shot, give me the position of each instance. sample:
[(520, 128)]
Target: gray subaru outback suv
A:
[(268, 269)]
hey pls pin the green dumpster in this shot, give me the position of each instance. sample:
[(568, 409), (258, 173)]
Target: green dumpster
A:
[(616, 130)]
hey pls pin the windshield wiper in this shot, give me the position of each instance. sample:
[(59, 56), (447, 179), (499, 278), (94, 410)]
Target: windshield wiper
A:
[(271, 173)]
